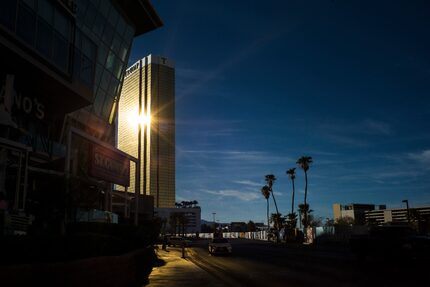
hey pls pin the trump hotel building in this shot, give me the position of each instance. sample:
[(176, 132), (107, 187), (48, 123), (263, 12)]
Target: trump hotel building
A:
[(61, 71)]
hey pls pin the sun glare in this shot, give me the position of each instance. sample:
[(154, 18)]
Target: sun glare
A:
[(135, 119)]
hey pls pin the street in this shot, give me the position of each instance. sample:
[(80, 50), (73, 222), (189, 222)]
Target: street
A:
[(259, 263)]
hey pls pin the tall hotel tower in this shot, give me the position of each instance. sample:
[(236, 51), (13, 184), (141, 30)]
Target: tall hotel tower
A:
[(150, 81)]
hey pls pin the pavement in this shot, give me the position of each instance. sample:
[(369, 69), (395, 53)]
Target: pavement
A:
[(174, 270)]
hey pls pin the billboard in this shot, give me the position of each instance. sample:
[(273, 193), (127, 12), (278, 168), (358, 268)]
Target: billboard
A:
[(108, 165)]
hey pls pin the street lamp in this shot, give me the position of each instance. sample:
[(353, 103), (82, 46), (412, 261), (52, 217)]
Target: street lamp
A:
[(407, 208), (213, 213)]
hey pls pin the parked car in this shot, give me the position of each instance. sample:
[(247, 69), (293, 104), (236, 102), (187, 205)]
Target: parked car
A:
[(177, 241), (220, 246)]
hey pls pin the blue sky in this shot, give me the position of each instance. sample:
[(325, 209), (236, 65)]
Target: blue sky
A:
[(261, 83)]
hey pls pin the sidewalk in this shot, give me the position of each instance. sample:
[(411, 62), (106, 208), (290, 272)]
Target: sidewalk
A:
[(178, 271)]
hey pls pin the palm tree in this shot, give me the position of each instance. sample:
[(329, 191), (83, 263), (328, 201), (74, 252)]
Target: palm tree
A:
[(277, 220), (304, 162), (292, 174), (292, 220), (304, 210), (266, 193), (270, 179)]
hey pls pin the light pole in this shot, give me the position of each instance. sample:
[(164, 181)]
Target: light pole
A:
[(213, 213), (407, 209)]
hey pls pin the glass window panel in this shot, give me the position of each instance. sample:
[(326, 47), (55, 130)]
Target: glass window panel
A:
[(123, 51), (60, 52), (30, 3), (46, 11), (113, 16), (107, 106), (62, 24), (118, 69), (102, 53), (116, 44), (96, 2), (113, 86), (120, 27), (87, 70), (105, 79), (77, 63), (99, 25), (26, 24), (89, 48), (113, 111), (98, 76), (110, 61), (44, 38), (104, 8), (98, 102), (129, 33), (108, 34), (90, 16), (81, 8), (8, 13), (78, 38)]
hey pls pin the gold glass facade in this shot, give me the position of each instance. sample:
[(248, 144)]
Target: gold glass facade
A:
[(152, 79)]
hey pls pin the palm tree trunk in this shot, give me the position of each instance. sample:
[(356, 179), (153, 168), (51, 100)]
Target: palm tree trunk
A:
[(277, 211), (268, 224), (292, 202), (274, 200), (306, 194), (300, 219)]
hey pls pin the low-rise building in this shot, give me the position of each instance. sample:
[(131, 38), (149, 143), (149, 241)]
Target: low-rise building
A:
[(397, 215), (354, 211), (191, 216)]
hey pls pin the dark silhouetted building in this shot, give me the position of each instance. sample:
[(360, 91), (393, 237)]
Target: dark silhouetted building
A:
[(62, 67)]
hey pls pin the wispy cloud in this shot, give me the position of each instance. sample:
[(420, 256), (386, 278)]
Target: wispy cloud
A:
[(377, 127), (238, 155), (241, 195), (423, 156), (354, 134), (248, 183)]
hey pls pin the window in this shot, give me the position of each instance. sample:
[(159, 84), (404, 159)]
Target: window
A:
[(60, 51), (99, 25), (7, 13), (61, 24), (26, 24), (108, 34), (44, 38), (90, 16), (46, 11)]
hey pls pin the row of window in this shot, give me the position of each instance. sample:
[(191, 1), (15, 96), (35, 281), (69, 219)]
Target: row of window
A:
[(43, 27), (105, 26)]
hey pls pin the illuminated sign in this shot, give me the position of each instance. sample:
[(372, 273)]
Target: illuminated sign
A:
[(110, 166)]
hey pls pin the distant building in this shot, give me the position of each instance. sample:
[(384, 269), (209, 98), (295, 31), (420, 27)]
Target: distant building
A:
[(238, 227), (152, 80), (192, 218), (397, 215), (354, 211), (260, 226)]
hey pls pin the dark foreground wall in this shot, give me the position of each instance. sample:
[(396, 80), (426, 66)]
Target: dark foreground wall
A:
[(131, 269)]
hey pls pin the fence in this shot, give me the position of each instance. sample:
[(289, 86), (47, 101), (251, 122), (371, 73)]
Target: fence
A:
[(257, 235), (338, 233)]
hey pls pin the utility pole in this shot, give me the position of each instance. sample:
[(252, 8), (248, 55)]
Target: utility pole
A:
[(213, 214)]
